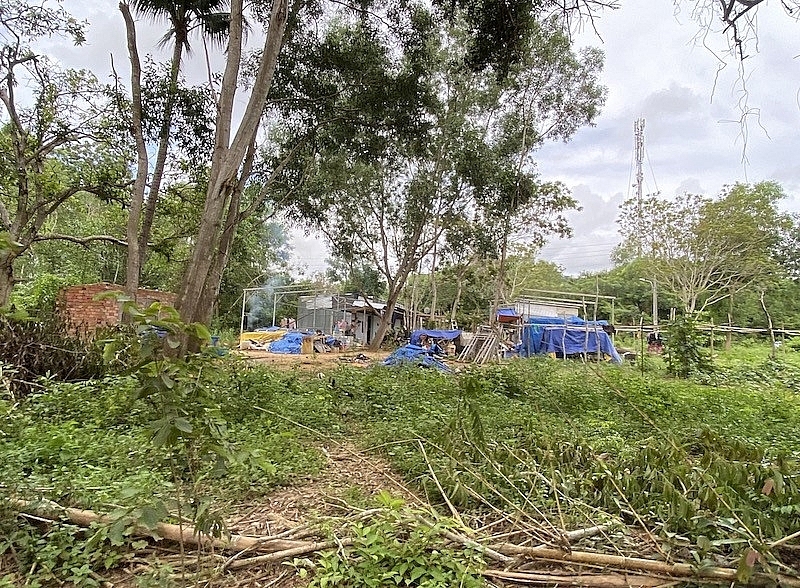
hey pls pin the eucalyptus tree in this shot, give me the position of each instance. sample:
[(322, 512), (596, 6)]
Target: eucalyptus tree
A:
[(547, 95), (505, 25), (210, 18), (705, 250), (59, 138)]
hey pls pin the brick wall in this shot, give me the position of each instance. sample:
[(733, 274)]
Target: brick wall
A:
[(79, 308)]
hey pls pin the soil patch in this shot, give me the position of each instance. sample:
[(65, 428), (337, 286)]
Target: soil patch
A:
[(316, 361)]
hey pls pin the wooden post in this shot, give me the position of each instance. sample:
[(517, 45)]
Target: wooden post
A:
[(712, 338)]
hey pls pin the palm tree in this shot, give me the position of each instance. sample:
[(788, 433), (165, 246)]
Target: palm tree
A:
[(210, 18)]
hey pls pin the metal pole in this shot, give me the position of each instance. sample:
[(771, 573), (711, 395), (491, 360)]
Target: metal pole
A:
[(274, 307), (244, 301)]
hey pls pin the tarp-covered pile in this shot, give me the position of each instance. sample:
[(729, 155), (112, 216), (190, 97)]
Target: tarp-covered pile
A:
[(449, 335), (415, 355), (566, 336), (291, 342)]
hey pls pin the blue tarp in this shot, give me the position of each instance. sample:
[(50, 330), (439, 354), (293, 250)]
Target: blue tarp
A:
[(415, 355), (542, 335), (507, 313), (434, 334), (289, 343)]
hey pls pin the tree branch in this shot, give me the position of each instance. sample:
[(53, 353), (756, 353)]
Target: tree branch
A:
[(85, 241)]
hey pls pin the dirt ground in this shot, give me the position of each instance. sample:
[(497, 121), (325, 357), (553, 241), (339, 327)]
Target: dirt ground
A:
[(349, 478), (317, 361)]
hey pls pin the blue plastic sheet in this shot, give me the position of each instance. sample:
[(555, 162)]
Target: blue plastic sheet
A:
[(434, 334), (542, 335), (291, 342), (414, 355)]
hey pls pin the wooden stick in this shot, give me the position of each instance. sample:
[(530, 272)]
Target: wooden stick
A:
[(639, 564), (467, 542), (783, 540), (588, 532), (289, 553)]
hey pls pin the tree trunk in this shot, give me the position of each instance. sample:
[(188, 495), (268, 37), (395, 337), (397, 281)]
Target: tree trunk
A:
[(457, 299), (163, 144), (134, 261), (499, 283), (201, 283), (395, 288), (386, 320), (434, 291), (6, 276)]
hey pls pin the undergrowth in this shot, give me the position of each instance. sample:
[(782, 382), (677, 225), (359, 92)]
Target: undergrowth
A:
[(709, 468)]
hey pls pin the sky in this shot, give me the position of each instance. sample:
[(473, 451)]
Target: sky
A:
[(656, 68)]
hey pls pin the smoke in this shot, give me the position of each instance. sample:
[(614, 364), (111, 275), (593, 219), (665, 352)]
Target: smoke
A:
[(259, 303)]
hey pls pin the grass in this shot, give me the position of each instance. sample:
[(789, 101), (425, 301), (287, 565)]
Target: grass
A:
[(711, 464)]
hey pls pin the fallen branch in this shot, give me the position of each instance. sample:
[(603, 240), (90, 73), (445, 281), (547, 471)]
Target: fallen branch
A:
[(467, 542), (680, 570), (591, 580), (588, 532), (287, 554), (186, 534)]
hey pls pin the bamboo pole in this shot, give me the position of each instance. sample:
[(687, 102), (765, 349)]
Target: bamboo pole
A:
[(185, 533), (592, 580), (682, 570)]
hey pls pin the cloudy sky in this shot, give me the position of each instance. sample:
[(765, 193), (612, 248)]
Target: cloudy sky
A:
[(657, 69)]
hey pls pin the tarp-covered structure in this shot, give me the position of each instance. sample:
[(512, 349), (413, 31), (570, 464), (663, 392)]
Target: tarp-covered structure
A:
[(449, 335), (565, 336), (415, 355)]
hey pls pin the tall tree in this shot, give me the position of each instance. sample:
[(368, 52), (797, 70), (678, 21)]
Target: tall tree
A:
[(233, 152), (705, 250), (183, 17), (55, 148)]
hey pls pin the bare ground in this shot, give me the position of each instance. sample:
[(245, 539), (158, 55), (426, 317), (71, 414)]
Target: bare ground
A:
[(317, 361)]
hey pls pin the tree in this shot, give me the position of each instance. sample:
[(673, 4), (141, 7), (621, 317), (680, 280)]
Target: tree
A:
[(56, 148), (231, 163), (183, 17), (738, 19), (705, 250)]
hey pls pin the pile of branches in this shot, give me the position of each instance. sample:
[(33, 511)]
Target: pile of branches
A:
[(31, 349), (514, 556)]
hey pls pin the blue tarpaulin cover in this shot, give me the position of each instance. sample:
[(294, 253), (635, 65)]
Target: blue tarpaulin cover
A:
[(569, 336), (414, 355), (289, 343), (434, 334)]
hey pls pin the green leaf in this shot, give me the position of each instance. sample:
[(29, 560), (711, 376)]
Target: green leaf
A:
[(183, 425)]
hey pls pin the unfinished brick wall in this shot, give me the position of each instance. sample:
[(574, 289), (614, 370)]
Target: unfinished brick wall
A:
[(81, 311)]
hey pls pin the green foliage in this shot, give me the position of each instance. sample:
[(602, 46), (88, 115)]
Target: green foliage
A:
[(686, 350), (539, 436), (710, 469), (61, 553), (38, 297), (396, 550)]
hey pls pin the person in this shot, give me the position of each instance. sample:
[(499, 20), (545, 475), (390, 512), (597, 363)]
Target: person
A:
[(654, 342)]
